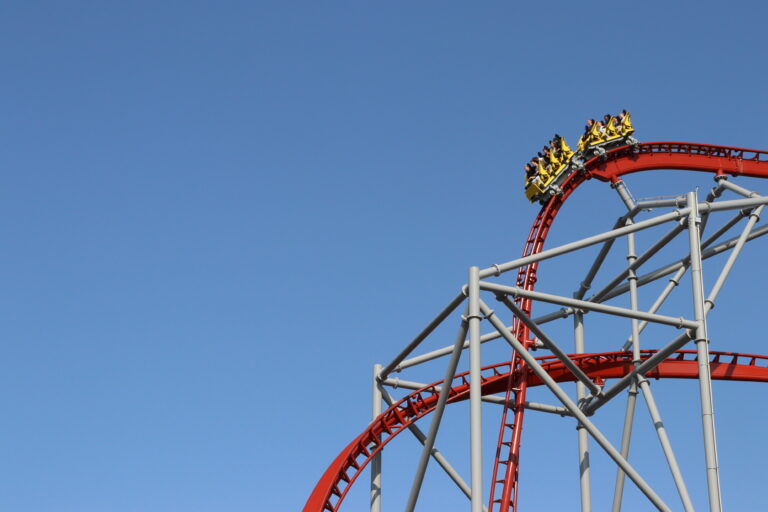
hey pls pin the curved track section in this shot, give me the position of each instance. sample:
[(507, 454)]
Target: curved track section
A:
[(513, 377), (334, 484)]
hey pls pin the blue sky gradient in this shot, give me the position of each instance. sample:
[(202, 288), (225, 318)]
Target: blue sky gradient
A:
[(217, 216)]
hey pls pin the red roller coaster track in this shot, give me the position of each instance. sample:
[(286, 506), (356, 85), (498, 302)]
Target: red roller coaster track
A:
[(514, 377)]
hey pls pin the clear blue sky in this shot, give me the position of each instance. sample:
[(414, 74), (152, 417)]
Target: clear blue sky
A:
[(216, 216)]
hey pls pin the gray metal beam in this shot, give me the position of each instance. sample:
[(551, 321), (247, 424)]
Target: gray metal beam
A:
[(583, 439), (735, 204), (649, 364), (587, 306), (629, 415), (666, 445), (677, 265), (439, 457), (574, 409), (637, 262), (423, 334), (551, 345), (475, 391), (702, 349), (429, 356), (437, 416), (376, 462)]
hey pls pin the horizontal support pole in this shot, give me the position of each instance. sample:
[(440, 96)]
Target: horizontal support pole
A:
[(493, 399), (683, 262), (646, 366), (552, 346), (680, 213), (680, 323), (423, 334), (429, 356)]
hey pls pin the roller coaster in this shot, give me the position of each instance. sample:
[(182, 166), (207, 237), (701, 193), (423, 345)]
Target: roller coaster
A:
[(599, 377)]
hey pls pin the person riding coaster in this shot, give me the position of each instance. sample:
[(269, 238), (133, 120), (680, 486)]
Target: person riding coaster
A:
[(545, 172)]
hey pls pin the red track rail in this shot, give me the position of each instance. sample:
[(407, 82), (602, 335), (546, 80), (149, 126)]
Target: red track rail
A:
[(513, 377)]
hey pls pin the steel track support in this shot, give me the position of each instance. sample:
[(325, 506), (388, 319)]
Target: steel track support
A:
[(583, 438), (666, 446), (629, 415), (436, 454), (734, 204), (437, 416), (673, 267), (574, 409), (551, 345), (626, 435), (475, 391), (702, 349), (423, 334), (376, 462)]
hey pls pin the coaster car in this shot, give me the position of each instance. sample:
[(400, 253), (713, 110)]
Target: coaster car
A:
[(553, 168)]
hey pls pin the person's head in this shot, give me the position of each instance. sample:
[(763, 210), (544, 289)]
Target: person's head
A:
[(545, 149), (606, 118), (590, 122)]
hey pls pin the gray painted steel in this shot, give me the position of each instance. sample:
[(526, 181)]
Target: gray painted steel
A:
[(437, 416), (376, 462), (475, 391), (583, 439), (573, 408), (702, 348)]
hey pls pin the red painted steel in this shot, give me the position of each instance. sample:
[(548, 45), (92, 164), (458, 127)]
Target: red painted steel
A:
[(334, 484), (337, 479)]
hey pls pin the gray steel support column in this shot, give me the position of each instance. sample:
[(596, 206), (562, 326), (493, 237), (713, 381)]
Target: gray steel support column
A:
[(678, 322), (649, 364), (475, 391), (574, 409), (753, 218), (491, 399), (720, 206), (581, 394), (423, 358), (437, 416), (376, 462), (636, 262), (738, 189), (439, 458), (604, 250), (624, 194), (705, 383), (423, 334), (666, 446), (673, 267), (629, 415), (626, 435), (673, 282), (551, 345)]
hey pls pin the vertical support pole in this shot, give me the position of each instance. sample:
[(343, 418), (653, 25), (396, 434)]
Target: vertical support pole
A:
[(626, 436), (376, 462), (702, 349), (624, 194), (666, 446), (437, 416), (581, 394), (475, 392), (629, 416)]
